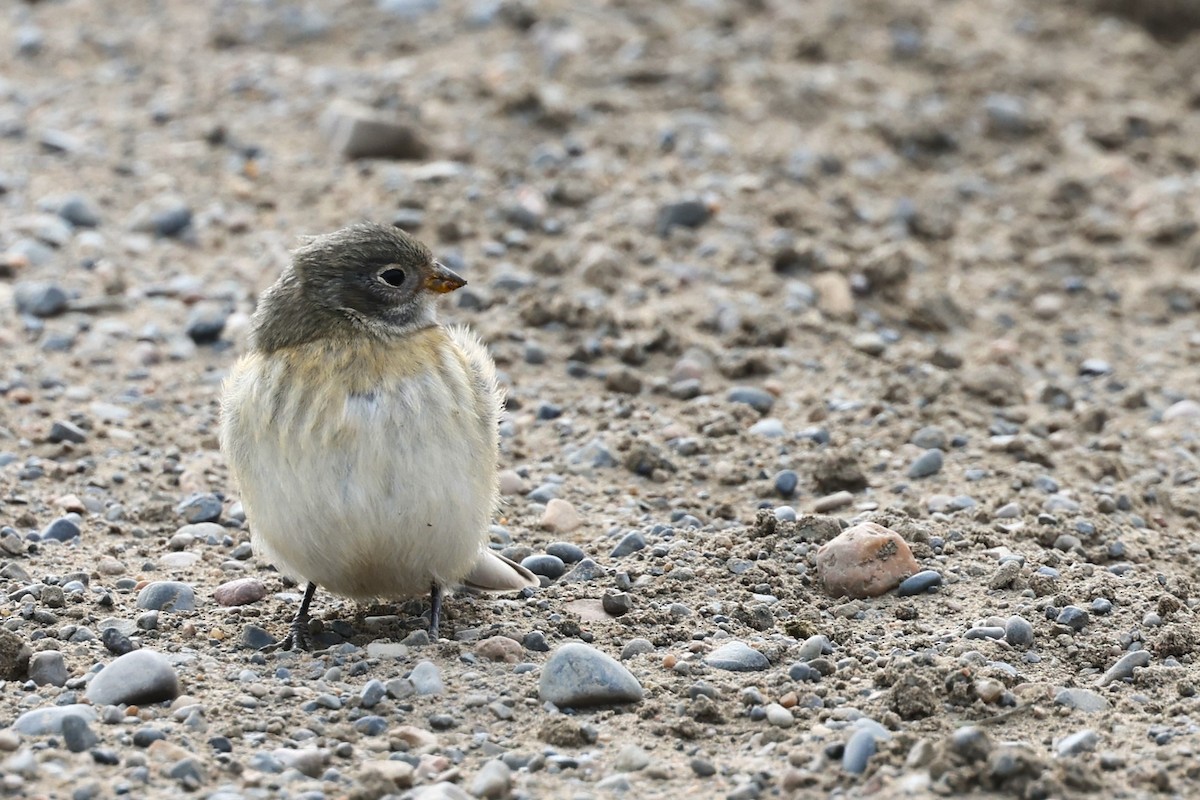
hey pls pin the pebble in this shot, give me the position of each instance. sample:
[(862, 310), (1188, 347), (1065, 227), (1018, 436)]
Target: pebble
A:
[(870, 343), (737, 657), (865, 560), (64, 431), (702, 767), (372, 693), (143, 676), (786, 482), (205, 323), (769, 428), (78, 211), (1084, 700), (631, 758), (814, 647), (1083, 741), (494, 780), (569, 553), (920, 583), (560, 517), (927, 464), (499, 648), (758, 399), (630, 543), (357, 131), (832, 502), (171, 221), (1073, 617), (616, 603), (858, 751), (550, 566), (984, 632), (427, 678), (200, 508), (511, 484), (240, 592), (586, 570), (48, 667), (577, 675), (1018, 632), (167, 596), (779, 717), (44, 721), (684, 214), (636, 647), (930, 438), (1124, 667), (77, 735), (62, 529), (39, 299)]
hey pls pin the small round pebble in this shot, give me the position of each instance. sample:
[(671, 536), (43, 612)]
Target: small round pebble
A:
[(167, 596), (1018, 632), (786, 483), (737, 657), (858, 752), (922, 582), (550, 566), (240, 592), (928, 463)]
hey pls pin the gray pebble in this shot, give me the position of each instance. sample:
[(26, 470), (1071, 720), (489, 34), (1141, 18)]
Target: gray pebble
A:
[(779, 717), (550, 566), (919, 583), (143, 676), (858, 752), (167, 596), (617, 603), (758, 399), (928, 463), (569, 553), (426, 678), (63, 431), (737, 657), (1084, 700), (984, 632), (1124, 667), (200, 508), (1073, 617), (43, 721), (171, 222), (636, 647), (786, 483), (205, 324), (1018, 632), (685, 214), (48, 667), (630, 543), (255, 637), (39, 299), (930, 438), (702, 767), (814, 647), (585, 570), (62, 529), (577, 675), (77, 735), (494, 780), (372, 692), (1083, 741), (76, 210)]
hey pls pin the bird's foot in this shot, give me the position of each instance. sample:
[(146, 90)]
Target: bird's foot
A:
[(435, 611), (298, 637)]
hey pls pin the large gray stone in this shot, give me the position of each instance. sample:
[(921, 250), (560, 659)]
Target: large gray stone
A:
[(577, 675), (143, 676)]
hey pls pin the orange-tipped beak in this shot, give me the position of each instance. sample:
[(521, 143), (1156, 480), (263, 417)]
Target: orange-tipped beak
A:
[(442, 280)]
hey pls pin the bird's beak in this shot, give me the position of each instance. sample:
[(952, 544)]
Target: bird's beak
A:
[(442, 279)]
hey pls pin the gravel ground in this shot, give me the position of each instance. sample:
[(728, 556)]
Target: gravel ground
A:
[(753, 271)]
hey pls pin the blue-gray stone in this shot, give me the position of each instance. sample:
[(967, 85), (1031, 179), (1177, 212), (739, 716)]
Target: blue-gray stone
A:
[(200, 508), (1102, 606), (171, 221), (930, 438), (921, 582), (371, 725), (167, 596), (585, 570), (1124, 667), (858, 752), (550, 566), (408, 9), (786, 482), (143, 676), (1083, 741), (1018, 632), (630, 543), (43, 721), (62, 529), (426, 678), (758, 399), (372, 692), (577, 676), (544, 493), (569, 553), (205, 324), (76, 210), (814, 647), (63, 431), (47, 667), (1084, 700), (928, 463), (40, 299), (1073, 617), (785, 514), (737, 657), (685, 214), (77, 735)]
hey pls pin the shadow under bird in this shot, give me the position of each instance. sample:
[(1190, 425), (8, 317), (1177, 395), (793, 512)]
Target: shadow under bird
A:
[(362, 434)]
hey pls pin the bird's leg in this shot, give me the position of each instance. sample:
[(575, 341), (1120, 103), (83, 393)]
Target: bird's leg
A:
[(435, 611), (298, 636)]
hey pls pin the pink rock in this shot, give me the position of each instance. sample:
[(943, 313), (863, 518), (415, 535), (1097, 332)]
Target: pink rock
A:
[(241, 592), (865, 561), (499, 648), (560, 517)]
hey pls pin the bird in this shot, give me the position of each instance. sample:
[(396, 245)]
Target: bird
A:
[(362, 434)]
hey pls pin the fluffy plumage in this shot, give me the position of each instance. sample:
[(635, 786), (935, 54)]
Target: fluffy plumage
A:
[(362, 434)]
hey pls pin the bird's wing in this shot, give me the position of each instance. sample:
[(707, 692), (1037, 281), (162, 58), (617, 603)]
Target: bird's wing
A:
[(495, 573)]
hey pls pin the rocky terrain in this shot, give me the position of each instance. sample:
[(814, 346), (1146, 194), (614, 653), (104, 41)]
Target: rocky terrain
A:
[(755, 273)]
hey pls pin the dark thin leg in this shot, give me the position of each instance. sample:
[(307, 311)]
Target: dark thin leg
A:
[(298, 637), (435, 611)]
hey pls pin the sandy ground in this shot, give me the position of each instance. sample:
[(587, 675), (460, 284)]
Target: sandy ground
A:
[(967, 226)]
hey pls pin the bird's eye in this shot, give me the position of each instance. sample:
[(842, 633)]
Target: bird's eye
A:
[(392, 277)]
